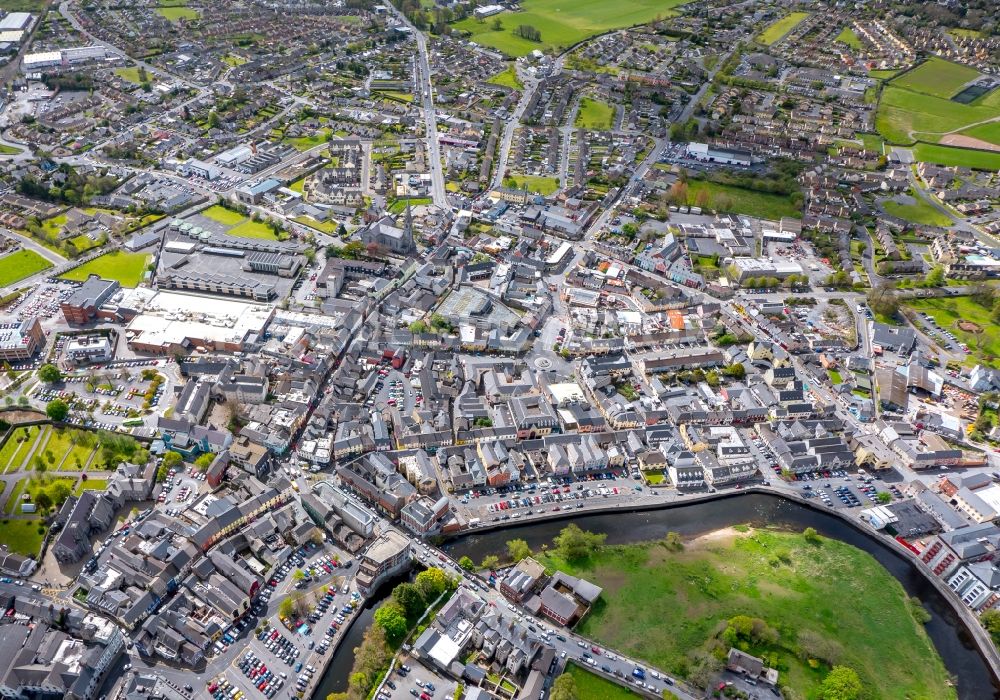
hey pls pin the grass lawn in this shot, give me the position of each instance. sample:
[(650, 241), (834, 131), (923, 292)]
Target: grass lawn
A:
[(176, 14), (130, 74), (233, 60), (15, 496), (329, 227), (399, 206), (779, 29), (970, 33), (872, 142), (304, 143), (849, 36), (13, 452), (54, 225), (661, 605), (986, 132), (737, 200), (595, 115), (536, 183), (904, 114), (950, 155), (221, 215), (20, 264), (252, 229), (920, 212), (948, 311), (127, 268), (22, 536), (883, 74), (507, 78), (298, 186), (6, 150), (562, 23), (91, 485), (590, 686), (937, 77), (835, 376)]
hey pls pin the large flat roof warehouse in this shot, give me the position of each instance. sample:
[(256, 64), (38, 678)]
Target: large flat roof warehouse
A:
[(174, 319)]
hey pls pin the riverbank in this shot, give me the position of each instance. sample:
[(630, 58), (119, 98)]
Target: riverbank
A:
[(667, 603), (960, 640)]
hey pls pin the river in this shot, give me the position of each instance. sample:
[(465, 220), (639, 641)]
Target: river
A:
[(949, 636)]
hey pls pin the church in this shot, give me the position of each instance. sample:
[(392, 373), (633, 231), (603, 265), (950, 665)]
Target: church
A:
[(386, 234)]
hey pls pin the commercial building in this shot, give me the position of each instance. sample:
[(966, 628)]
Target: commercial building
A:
[(388, 556), (20, 340), (724, 156), (82, 306), (758, 267), (84, 349)]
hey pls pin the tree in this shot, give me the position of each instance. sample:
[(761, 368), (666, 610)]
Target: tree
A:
[(287, 608), (213, 120), (490, 562), (518, 550), (884, 300), (735, 371), (990, 621), (431, 583), (812, 537), (204, 461), (935, 277), (410, 599), (497, 25), (43, 501), (392, 618), (298, 575), (564, 688), (49, 374), (884, 497), (573, 544), (528, 33), (57, 410), (842, 683), (467, 563), (172, 459)]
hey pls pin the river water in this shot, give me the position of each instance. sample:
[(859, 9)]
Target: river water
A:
[(946, 631)]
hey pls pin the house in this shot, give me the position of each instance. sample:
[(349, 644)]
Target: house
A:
[(750, 666)]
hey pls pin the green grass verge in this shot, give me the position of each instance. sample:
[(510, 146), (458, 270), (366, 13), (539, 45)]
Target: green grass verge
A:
[(595, 115), (948, 311), (127, 268), (562, 23), (6, 150), (23, 536), (590, 686), (20, 264), (507, 78), (14, 497), (737, 200), (661, 606), (221, 215), (779, 29)]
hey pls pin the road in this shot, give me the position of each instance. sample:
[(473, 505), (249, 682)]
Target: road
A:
[(422, 80), (503, 150)]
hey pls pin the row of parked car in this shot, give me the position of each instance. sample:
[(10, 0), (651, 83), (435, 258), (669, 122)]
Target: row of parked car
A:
[(264, 679)]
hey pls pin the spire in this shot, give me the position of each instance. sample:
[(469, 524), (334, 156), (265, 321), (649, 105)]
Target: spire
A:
[(408, 221)]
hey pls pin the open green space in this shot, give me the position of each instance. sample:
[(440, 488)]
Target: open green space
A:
[(738, 200), (962, 157), (590, 686), (221, 215), (937, 77), (849, 37), (22, 536), (17, 447), (906, 115), (6, 150), (304, 143), (14, 497), (20, 264), (822, 602), (780, 28), (53, 226), (127, 268), (948, 311), (986, 132), (253, 229), (90, 485), (882, 74), (234, 61), (396, 95), (562, 23), (835, 377), (594, 115), (534, 183), (329, 227), (920, 212), (176, 14), (507, 78), (967, 33), (70, 448), (130, 74), (399, 206)]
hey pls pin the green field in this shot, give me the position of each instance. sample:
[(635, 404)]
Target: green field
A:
[(252, 229), (562, 23), (329, 227), (127, 268), (534, 183), (6, 150), (14, 497), (829, 602), (987, 132), (904, 115), (937, 77), (948, 311), (737, 200), (970, 33), (176, 14), (507, 78), (20, 264), (22, 536), (920, 212), (594, 115), (304, 143), (883, 74), (234, 61), (90, 485), (13, 453), (963, 157), (590, 686), (399, 206), (221, 215), (779, 29), (849, 37), (835, 377), (130, 74)]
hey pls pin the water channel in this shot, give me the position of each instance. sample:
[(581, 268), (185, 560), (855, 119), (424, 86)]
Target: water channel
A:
[(946, 631)]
